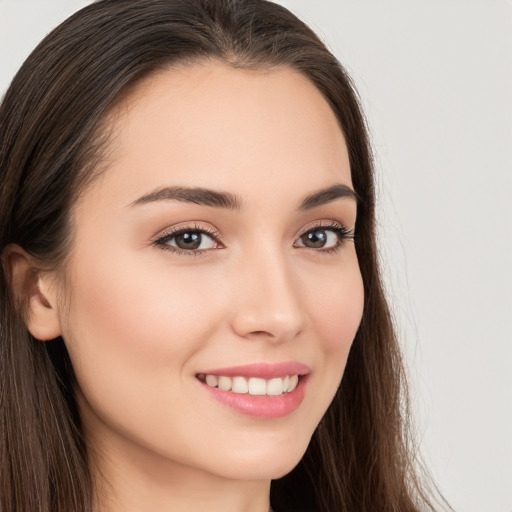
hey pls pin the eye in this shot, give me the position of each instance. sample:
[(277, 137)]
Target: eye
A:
[(324, 237), (191, 240), (188, 240)]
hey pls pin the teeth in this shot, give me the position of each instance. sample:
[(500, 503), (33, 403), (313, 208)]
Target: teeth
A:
[(240, 385), (253, 385), (275, 387), (224, 383), (212, 380), (293, 382), (257, 386)]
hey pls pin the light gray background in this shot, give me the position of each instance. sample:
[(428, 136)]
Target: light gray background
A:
[(435, 78)]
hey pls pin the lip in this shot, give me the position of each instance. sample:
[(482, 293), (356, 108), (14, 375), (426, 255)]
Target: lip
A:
[(262, 370), (261, 406)]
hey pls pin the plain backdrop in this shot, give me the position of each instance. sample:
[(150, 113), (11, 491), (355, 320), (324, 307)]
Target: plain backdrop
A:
[(435, 79)]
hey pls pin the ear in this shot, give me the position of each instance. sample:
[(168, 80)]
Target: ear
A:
[(32, 288)]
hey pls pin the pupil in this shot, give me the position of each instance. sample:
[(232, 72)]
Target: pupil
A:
[(188, 240), (316, 238)]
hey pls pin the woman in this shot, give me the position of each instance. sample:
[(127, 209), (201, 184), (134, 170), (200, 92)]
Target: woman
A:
[(263, 370)]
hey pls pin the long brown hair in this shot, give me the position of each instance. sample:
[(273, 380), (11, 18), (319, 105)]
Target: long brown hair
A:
[(52, 139)]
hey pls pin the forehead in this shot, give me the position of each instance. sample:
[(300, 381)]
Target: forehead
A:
[(215, 126)]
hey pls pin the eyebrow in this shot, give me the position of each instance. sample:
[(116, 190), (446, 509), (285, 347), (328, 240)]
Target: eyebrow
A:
[(218, 199), (328, 195), (197, 195)]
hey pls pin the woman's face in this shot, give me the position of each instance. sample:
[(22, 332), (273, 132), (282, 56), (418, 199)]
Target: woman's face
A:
[(218, 238)]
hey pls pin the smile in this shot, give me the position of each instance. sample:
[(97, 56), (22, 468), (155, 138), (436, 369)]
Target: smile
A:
[(253, 385), (260, 390)]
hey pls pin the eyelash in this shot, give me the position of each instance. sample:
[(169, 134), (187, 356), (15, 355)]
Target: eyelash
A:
[(341, 232), (161, 241), (339, 229)]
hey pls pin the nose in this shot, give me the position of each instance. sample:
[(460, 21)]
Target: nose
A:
[(267, 301)]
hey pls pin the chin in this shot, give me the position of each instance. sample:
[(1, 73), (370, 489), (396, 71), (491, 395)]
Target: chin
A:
[(262, 471), (265, 465)]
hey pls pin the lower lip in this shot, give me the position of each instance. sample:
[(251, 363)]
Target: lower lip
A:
[(261, 406)]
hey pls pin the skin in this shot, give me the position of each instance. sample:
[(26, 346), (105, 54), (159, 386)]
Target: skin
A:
[(140, 322)]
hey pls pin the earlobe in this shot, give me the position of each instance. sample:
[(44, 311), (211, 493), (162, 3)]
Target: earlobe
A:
[(31, 288)]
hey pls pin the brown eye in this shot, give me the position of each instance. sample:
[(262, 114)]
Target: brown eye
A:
[(323, 237), (315, 239), (190, 240), (187, 241)]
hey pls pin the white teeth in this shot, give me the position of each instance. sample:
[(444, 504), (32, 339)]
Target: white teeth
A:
[(293, 382), (212, 380), (275, 387), (257, 386), (253, 385), (225, 383), (240, 385)]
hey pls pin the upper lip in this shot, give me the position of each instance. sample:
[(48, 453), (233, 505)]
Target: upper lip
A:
[(262, 370)]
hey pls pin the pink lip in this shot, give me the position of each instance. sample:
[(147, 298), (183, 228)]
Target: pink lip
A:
[(262, 370), (261, 406)]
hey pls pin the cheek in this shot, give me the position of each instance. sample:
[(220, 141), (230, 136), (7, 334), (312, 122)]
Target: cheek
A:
[(128, 322), (336, 309), (133, 335), (335, 302), (139, 306)]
